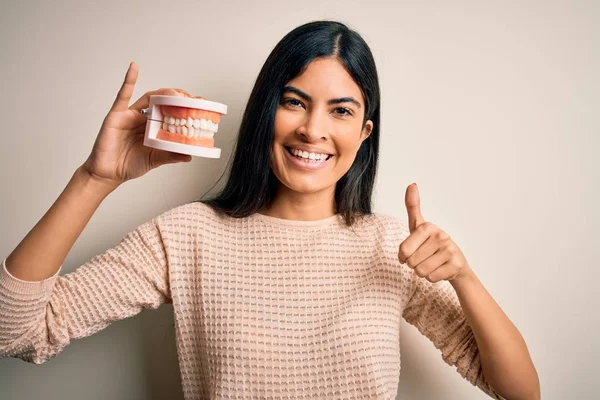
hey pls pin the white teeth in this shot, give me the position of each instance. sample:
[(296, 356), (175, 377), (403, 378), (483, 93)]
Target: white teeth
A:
[(309, 156), (190, 127), (190, 132)]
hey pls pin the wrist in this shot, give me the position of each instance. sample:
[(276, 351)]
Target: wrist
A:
[(93, 185), (468, 277)]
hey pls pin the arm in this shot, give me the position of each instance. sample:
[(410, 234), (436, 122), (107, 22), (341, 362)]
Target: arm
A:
[(452, 308), (44, 249), (41, 312), (434, 309), (473, 335), (504, 356)]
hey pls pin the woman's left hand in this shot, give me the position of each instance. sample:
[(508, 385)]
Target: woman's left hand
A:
[(429, 250)]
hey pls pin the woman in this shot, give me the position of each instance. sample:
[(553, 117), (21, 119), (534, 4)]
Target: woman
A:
[(285, 284)]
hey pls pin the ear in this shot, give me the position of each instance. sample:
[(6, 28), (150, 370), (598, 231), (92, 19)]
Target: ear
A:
[(366, 131)]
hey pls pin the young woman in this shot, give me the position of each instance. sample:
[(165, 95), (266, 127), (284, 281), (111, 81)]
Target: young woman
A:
[(285, 285)]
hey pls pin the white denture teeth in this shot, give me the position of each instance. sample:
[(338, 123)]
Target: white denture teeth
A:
[(198, 128)]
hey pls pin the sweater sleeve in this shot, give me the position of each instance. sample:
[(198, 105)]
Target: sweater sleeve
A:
[(38, 319), (434, 309)]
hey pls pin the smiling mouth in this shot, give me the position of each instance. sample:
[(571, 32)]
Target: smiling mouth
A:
[(306, 156)]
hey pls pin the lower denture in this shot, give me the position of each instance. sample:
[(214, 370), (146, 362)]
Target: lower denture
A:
[(179, 138)]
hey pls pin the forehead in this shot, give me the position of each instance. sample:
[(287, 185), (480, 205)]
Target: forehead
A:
[(326, 78)]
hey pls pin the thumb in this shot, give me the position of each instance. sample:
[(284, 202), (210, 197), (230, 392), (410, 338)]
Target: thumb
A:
[(162, 157), (413, 207)]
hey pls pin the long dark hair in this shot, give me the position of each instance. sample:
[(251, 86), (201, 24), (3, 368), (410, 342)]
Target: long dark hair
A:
[(252, 183)]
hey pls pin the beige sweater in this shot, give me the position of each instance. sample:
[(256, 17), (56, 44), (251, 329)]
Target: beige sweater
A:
[(263, 307)]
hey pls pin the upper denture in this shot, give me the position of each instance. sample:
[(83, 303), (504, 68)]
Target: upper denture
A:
[(194, 113)]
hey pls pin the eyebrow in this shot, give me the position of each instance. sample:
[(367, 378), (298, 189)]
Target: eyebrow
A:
[(330, 102)]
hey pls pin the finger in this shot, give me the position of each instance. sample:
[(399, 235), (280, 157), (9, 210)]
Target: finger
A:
[(144, 101), (162, 157), (426, 250), (415, 240), (446, 271), (413, 207), (431, 264), (186, 94), (122, 101)]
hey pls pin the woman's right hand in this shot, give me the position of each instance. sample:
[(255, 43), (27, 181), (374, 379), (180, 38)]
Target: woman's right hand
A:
[(119, 153)]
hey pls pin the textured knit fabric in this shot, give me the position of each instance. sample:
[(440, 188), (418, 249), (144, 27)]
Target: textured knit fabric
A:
[(263, 307)]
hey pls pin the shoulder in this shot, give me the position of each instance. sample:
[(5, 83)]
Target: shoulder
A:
[(190, 214)]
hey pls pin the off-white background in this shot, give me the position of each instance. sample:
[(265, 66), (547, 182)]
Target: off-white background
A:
[(492, 107)]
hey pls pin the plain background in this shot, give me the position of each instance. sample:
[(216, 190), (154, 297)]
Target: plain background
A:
[(491, 107)]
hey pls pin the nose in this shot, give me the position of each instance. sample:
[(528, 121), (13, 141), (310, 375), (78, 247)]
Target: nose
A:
[(314, 126)]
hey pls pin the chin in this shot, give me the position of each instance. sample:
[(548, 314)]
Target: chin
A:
[(305, 186)]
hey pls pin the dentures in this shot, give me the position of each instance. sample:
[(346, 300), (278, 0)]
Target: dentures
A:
[(184, 124), (191, 126)]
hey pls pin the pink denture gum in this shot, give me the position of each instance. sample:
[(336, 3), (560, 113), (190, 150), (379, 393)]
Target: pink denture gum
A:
[(185, 125)]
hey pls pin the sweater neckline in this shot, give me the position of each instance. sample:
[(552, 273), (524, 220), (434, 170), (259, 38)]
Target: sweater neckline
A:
[(333, 220)]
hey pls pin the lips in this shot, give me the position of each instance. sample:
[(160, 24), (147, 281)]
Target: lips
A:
[(304, 164), (304, 153)]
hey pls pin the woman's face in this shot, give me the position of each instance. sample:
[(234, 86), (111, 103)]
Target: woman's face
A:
[(318, 127)]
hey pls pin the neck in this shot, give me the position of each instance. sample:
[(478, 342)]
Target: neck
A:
[(292, 205)]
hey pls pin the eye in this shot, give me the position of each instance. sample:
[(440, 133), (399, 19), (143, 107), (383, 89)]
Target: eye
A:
[(343, 111), (292, 102)]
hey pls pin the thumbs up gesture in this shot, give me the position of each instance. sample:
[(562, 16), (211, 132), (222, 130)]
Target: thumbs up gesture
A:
[(429, 250)]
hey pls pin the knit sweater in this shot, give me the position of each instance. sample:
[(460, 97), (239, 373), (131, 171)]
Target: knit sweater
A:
[(263, 307)]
